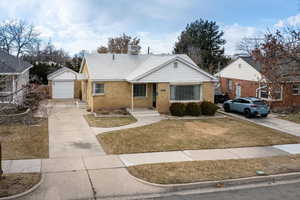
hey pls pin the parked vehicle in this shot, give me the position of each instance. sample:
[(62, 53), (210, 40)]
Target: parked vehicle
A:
[(249, 106), (221, 98)]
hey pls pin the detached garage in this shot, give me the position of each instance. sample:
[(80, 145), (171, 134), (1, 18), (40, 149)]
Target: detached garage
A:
[(64, 84)]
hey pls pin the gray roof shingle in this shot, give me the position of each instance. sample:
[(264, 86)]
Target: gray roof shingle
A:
[(12, 64)]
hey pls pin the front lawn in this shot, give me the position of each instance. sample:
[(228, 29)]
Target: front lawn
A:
[(24, 141), (170, 135), (293, 117), (12, 184), (107, 122), (196, 171)]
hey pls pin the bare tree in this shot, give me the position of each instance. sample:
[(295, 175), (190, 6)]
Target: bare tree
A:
[(279, 55), (119, 45), (247, 45), (18, 37)]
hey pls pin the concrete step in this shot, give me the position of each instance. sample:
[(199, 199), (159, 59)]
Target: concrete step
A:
[(143, 112)]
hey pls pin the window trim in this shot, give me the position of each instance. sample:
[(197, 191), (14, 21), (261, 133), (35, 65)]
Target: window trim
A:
[(298, 94), (270, 99), (229, 81), (187, 101), (141, 97), (94, 89)]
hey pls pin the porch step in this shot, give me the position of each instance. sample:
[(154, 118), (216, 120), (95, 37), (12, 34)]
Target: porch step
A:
[(81, 104), (143, 112)]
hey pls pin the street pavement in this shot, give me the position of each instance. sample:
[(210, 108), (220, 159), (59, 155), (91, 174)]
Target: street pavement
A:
[(275, 192)]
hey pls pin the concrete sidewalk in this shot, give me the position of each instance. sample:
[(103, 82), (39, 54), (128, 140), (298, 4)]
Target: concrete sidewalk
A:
[(141, 121), (209, 154)]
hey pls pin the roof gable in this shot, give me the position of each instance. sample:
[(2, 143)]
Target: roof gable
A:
[(63, 73), (10, 64), (171, 72), (240, 69)]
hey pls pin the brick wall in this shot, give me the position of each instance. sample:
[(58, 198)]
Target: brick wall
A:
[(163, 97), (248, 88), (208, 93)]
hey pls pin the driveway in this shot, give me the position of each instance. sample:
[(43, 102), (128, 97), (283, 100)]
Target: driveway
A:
[(69, 133), (272, 122)]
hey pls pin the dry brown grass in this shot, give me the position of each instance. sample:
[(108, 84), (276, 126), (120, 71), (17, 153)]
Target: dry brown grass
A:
[(24, 141), (197, 171), (12, 184), (107, 122), (170, 135), (293, 117)]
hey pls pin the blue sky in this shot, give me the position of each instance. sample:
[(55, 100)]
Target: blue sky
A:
[(85, 24)]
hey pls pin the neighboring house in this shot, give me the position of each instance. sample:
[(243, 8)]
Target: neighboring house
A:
[(242, 78), (14, 75), (143, 81), (64, 84)]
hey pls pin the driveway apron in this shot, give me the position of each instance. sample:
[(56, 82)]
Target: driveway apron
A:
[(69, 133)]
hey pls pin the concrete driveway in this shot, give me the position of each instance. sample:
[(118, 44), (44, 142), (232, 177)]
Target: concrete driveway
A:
[(69, 133), (272, 122)]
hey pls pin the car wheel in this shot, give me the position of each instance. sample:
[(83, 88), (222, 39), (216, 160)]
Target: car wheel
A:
[(247, 113), (264, 116), (227, 108)]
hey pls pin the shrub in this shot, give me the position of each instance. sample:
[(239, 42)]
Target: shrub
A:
[(193, 109), (208, 108), (177, 109)]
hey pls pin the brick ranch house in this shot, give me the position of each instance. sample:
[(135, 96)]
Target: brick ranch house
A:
[(110, 81), (242, 78)]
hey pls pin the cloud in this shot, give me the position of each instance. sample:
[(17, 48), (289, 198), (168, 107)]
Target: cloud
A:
[(233, 34), (290, 21)]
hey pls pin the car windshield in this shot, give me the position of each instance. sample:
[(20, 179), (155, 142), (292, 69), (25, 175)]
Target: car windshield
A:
[(259, 102)]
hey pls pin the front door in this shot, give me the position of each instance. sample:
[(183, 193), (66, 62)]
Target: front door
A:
[(238, 91), (154, 94)]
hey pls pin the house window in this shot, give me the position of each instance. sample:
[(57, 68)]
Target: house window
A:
[(139, 90), (98, 88), (296, 89), (185, 92), (229, 84), (265, 93)]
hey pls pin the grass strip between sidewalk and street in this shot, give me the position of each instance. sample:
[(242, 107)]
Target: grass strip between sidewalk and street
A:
[(12, 184), (172, 135), (108, 122), (198, 171), (293, 117)]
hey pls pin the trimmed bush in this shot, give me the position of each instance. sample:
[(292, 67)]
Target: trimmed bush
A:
[(208, 108), (177, 109), (193, 109)]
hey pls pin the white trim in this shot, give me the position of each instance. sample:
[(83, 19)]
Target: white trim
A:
[(140, 97), (61, 71), (98, 94), (187, 101), (270, 99), (18, 73), (103, 80)]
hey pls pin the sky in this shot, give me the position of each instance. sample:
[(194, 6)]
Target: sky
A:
[(75, 25)]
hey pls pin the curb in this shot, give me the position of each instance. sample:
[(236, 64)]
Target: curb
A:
[(225, 183), (26, 192)]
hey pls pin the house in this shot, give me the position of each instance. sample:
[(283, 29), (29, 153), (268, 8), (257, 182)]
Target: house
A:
[(243, 78), (133, 80), (14, 75)]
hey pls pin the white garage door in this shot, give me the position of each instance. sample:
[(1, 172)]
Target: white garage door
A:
[(63, 89)]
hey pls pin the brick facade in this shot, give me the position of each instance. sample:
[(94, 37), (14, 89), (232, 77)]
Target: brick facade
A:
[(248, 88)]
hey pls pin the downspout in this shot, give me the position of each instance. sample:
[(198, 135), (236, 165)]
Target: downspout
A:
[(131, 97)]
